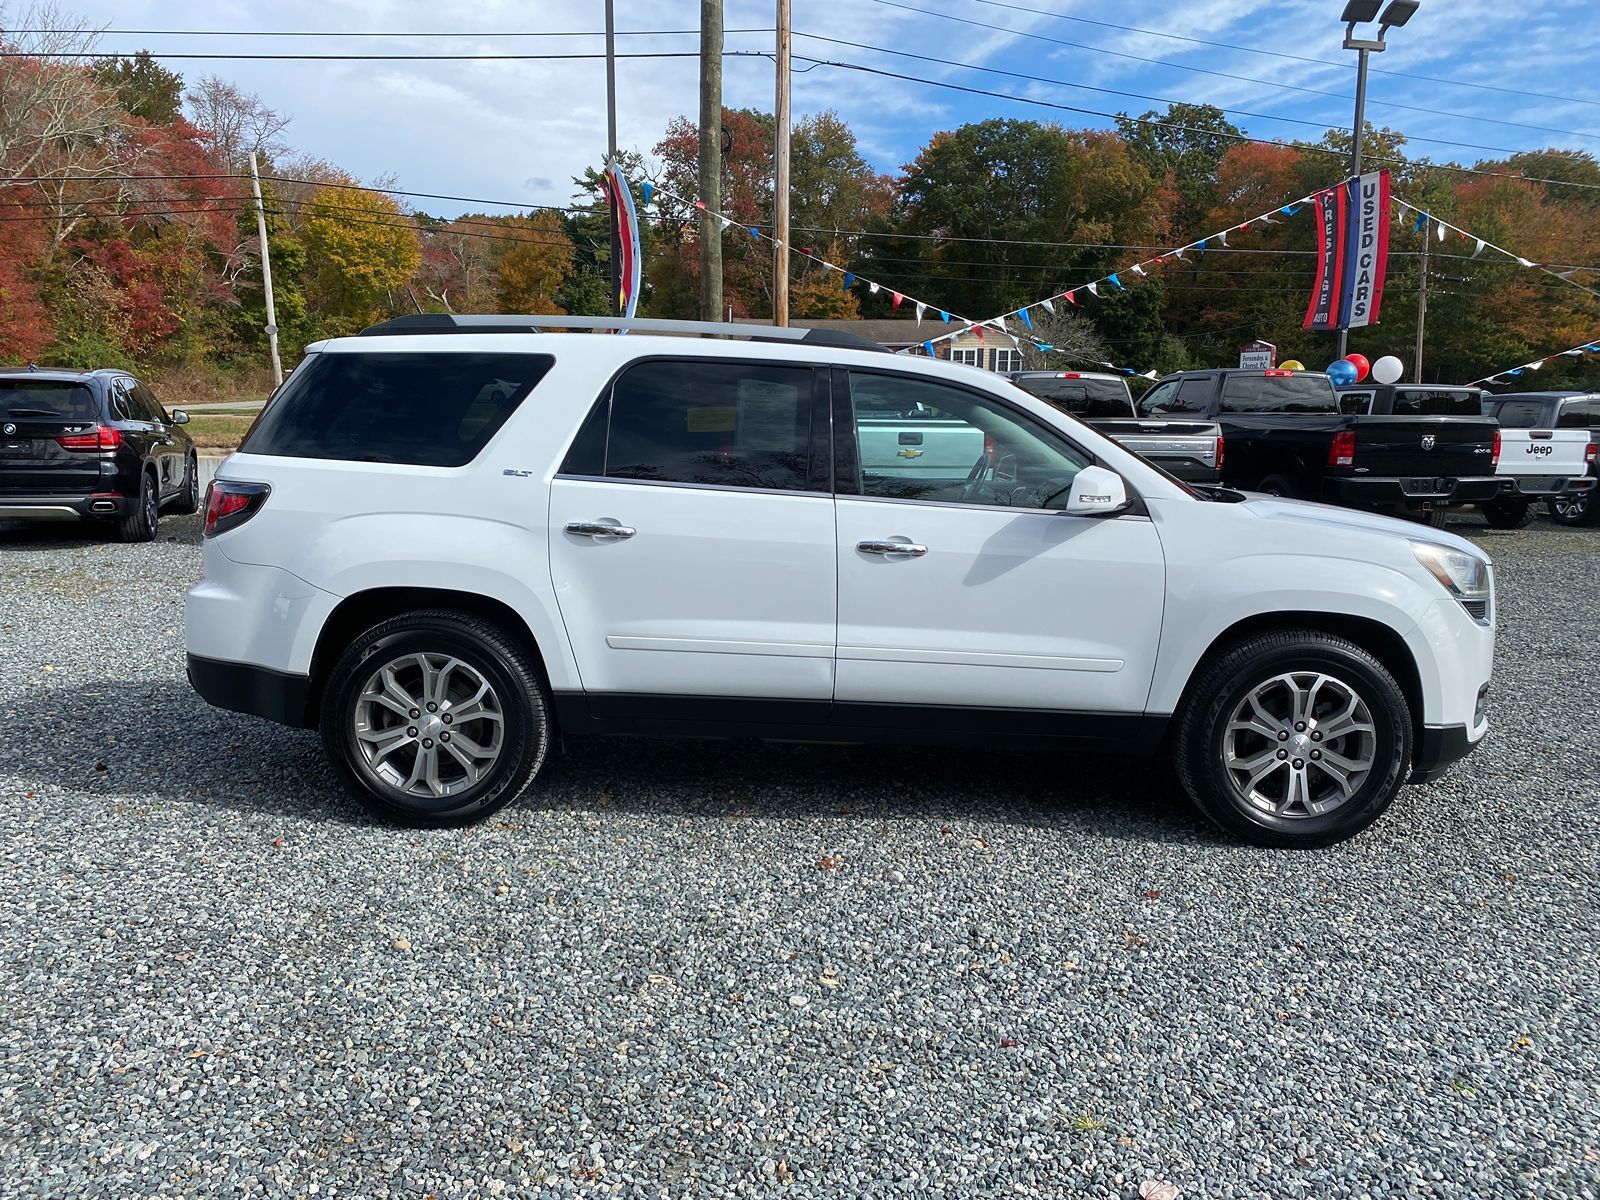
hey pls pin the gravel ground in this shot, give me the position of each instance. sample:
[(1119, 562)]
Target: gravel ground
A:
[(740, 970)]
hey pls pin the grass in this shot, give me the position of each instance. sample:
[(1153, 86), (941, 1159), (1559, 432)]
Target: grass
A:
[(218, 432)]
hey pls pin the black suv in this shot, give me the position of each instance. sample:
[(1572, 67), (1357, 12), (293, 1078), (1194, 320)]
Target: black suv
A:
[(92, 445)]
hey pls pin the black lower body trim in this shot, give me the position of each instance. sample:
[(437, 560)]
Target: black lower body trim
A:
[(830, 721), (1440, 748), (259, 691)]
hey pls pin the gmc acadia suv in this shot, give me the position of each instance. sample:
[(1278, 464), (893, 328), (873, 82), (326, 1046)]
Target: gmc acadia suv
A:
[(452, 538)]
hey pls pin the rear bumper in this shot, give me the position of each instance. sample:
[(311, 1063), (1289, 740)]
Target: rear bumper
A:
[(93, 506), (246, 688), (1409, 492), (1540, 486), (1187, 469)]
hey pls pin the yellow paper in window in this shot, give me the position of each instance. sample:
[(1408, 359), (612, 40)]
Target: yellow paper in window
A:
[(713, 418)]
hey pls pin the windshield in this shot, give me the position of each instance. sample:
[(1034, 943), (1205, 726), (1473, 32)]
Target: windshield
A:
[(49, 398), (1080, 396)]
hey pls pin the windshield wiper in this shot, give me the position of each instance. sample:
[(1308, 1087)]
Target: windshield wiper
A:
[(48, 413)]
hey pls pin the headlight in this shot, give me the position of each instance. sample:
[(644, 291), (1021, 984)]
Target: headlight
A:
[(1465, 576)]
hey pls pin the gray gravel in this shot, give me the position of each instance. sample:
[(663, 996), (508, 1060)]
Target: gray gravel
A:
[(741, 970)]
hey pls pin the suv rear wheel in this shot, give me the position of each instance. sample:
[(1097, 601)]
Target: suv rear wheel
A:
[(1574, 509), (1296, 739), (436, 719), (140, 525)]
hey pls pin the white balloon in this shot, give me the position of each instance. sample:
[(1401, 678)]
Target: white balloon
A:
[(1388, 369)]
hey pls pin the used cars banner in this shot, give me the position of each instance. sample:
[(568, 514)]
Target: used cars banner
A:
[(1352, 253)]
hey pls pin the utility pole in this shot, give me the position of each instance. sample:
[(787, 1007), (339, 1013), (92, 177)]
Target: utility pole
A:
[(1422, 306), (266, 272), (611, 157), (780, 180), (710, 159)]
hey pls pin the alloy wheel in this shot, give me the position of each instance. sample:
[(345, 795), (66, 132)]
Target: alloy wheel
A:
[(428, 725), (1299, 745)]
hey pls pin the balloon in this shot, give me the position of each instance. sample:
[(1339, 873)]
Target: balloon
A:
[(1360, 363), (1294, 364), (1343, 372), (1388, 369)]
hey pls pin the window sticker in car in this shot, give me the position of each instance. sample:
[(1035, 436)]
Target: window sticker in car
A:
[(711, 418)]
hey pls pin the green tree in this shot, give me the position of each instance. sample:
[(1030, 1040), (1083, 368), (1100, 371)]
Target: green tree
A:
[(360, 247), (1183, 147), (143, 86)]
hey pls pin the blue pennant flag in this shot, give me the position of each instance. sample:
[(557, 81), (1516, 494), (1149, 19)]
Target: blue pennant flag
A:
[(928, 346), (1026, 319), (1592, 346), (755, 234), (649, 190), (1117, 283), (848, 280), (1422, 219), (1201, 246), (1045, 346), (944, 316), (1517, 371), (1289, 210)]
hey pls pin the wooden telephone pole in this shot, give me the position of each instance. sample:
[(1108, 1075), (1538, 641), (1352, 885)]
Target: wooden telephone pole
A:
[(1422, 307), (711, 159), (780, 181), (266, 272)]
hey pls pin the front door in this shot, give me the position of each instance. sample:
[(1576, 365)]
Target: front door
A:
[(692, 543), (973, 590)]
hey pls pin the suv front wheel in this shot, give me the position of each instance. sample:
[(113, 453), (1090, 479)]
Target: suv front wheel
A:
[(1295, 739), (436, 719)]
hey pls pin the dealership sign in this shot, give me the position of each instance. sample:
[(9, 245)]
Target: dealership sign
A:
[(1258, 356), (1352, 253)]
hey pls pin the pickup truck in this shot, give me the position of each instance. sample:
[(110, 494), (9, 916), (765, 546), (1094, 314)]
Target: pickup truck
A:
[(1563, 414), (1286, 436), (1192, 451)]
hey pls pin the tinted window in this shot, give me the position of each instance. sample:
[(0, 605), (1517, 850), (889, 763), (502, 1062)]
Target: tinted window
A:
[(712, 423), (1437, 402), (1580, 414), (1081, 397), (1520, 414), (429, 410), (124, 407), (1278, 394), (1186, 396), (1356, 403), (149, 404), (966, 448), (70, 401)]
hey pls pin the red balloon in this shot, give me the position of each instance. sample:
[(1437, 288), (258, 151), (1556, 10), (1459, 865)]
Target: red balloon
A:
[(1360, 363)]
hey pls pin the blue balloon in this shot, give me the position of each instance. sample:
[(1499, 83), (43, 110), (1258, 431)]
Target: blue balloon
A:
[(1343, 373)]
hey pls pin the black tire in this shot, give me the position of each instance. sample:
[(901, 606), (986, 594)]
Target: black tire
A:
[(499, 659), (188, 497), (1199, 744), (1574, 512), (140, 525), (1508, 514), (1286, 486)]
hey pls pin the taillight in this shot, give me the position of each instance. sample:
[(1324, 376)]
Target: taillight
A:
[(1494, 455), (230, 504), (1221, 447), (1342, 451), (101, 437), (1589, 454)]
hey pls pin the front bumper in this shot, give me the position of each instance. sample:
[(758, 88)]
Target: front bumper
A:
[(246, 688), (1410, 492), (91, 506), (1441, 747)]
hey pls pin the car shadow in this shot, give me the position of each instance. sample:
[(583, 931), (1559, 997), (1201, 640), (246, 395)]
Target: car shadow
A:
[(66, 535), (155, 740)]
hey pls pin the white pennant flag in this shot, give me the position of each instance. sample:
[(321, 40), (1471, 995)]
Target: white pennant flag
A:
[(1014, 342), (873, 288), (921, 308), (1048, 305), (1536, 366), (1222, 238), (1441, 227), (1179, 254), (1479, 250), (1000, 324), (1094, 289), (1138, 268), (1524, 262)]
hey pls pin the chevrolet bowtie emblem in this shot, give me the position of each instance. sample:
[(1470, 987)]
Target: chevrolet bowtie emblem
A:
[(910, 452)]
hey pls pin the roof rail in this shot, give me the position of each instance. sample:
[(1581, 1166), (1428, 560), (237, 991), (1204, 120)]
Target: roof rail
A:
[(416, 323)]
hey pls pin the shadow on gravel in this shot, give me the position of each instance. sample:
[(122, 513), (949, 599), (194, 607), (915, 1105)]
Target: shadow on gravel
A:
[(155, 740), (67, 535)]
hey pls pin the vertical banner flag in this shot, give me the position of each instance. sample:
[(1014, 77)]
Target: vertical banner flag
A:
[(626, 221), (1352, 253)]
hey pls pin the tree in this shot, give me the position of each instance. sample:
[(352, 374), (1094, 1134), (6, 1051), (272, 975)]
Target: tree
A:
[(360, 247), (237, 122), (144, 88), (533, 268), (818, 296), (1070, 333), (1183, 146)]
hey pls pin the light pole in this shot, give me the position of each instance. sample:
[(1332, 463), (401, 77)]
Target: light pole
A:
[(1360, 12)]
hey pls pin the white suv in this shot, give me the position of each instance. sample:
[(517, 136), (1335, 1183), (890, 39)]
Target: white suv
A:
[(451, 539)]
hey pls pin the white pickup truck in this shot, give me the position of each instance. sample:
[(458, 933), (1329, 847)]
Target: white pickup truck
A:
[(1538, 464)]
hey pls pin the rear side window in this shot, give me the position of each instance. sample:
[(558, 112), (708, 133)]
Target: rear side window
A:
[(716, 424), (1520, 414), (1580, 414), (1080, 397), (425, 410), (1278, 394), (1188, 396), (46, 399), (1437, 402)]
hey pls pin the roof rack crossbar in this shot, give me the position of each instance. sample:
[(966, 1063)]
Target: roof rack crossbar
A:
[(426, 323)]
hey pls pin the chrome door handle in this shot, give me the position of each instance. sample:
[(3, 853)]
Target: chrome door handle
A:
[(908, 548), (597, 529)]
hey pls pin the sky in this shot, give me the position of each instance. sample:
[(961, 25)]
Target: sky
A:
[(519, 131)]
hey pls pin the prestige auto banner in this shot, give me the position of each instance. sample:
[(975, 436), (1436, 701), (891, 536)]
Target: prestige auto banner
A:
[(1352, 253)]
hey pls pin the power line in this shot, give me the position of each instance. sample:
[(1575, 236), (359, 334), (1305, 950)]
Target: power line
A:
[(387, 33), (1159, 62), (259, 57), (1178, 37)]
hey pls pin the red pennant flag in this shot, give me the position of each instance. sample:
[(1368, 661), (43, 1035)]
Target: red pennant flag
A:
[(978, 329), (1243, 226), (1071, 299), (898, 300), (699, 203)]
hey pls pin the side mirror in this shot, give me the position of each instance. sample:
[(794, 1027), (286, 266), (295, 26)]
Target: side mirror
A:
[(1097, 492), (179, 417)]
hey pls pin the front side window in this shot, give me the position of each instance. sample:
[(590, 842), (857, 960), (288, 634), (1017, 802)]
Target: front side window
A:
[(955, 446), (1186, 396), (428, 409), (717, 424)]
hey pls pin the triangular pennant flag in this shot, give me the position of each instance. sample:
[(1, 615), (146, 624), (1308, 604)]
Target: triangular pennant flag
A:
[(1515, 371), (1289, 210), (1138, 268), (1048, 305), (928, 346), (1045, 347), (1014, 341), (1264, 221), (1479, 250), (1000, 324), (978, 329), (898, 301), (944, 316), (921, 308), (1201, 246), (848, 280), (1536, 366), (1242, 226), (1117, 283), (872, 287), (1094, 289), (1026, 319), (700, 204), (726, 221), (1441, 228), (1578, 353), (1524, 262), (1069, 297), (1179, 254), (1222, 238), (649, 190), (755, 234), (1422, 220)]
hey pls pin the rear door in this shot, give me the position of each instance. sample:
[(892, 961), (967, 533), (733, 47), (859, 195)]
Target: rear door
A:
[(692, 544), (34, 416), (164, 448)]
